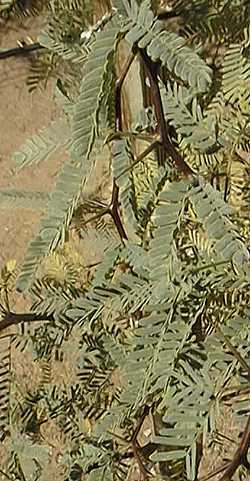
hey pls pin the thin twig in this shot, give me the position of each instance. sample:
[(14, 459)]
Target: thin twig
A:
[(235, 391), (223, 436), (20, 51), (215, 472), (114, 212), (6, 475), (240, 456), (12, 318), (101, 213), (140, 157), (234, 351)]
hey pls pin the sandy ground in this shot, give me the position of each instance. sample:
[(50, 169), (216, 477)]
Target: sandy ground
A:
[(21, 115)]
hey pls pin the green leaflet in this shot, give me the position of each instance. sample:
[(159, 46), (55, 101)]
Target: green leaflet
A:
[(59, 212), (166, 219), (31, 456), (5, 380), (130, 7), (157, 344), (168, 456), (76, 53), (42, 145), (106, 115), (71, 178), (141, 327), (169, 48), (129, 294), (213, 212), (121, 6), (23, 199), (188, 119), (88, 103), (236, 70), (186, 419), (124, 179)]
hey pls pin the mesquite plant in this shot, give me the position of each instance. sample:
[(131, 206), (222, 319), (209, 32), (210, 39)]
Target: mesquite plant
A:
[(154, 331)]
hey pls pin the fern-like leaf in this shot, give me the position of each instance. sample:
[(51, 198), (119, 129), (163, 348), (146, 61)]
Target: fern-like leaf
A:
[(88, 104), (236, 70), (169, 48), (5, 367), (166, 217), (213, 212), (76, 53), (58, 216), (42, 145), (22, 199), (196, 130)]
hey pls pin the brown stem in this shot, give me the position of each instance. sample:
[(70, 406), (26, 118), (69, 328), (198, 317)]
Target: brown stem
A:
[(12, 318), (22, 50), (6, 475), (169, 148), (114, 212)]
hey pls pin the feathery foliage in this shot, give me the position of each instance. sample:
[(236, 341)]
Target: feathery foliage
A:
[(139, 325)]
